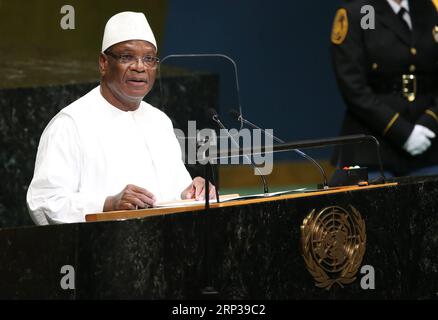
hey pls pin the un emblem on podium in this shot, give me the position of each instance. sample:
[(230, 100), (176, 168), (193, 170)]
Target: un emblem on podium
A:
[(333, 245)]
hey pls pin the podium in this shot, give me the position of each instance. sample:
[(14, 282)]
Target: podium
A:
[(249, 249)]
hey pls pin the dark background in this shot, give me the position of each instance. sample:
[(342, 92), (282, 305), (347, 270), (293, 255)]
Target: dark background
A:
[(282, 52)]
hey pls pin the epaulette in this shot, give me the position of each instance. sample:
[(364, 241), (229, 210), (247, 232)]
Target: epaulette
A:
[(340, 27), (435, 3)]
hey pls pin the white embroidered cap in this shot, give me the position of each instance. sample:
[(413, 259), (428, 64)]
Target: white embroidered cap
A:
[(126, 26)]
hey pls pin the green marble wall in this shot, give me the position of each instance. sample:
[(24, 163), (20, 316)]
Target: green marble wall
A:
[(244, 252), (36, 51)]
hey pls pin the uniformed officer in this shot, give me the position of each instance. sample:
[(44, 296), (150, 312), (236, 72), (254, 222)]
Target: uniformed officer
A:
[(388, 77)]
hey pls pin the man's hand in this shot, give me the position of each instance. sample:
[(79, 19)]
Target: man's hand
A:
[(196, 190), (419, 140), (130, 198)]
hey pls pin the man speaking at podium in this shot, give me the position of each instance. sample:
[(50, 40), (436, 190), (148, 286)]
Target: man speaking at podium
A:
[(109, 150)]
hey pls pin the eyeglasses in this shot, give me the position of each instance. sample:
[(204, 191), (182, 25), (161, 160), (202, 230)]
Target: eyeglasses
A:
[(149, 62)]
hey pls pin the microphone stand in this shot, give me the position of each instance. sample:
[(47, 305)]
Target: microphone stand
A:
[(209, 176), (209, 289), (321, 170), (312, 144), (215, 118)]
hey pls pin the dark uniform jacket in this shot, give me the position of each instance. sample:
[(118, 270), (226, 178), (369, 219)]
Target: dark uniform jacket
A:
[(369, 65)]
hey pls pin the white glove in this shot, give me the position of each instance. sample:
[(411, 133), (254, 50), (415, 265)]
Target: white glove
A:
[(419, 140)]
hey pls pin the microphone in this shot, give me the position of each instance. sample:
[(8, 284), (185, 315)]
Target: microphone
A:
[(239, 117), (212, 114)]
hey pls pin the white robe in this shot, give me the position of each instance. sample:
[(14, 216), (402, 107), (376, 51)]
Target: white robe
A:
[(91, 150)]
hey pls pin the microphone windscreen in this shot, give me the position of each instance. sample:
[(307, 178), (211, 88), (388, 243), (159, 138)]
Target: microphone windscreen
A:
[(234, 113), (211, 113)]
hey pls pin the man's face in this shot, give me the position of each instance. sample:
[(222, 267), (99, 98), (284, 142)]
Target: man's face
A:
[(128, 83)]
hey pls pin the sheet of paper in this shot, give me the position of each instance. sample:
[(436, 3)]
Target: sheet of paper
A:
[(192, 202), (229, 197)]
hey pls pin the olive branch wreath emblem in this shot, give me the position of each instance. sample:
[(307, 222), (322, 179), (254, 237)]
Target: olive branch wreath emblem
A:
[(353, 251)]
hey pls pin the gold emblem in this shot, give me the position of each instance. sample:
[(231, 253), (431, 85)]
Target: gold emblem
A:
[(340, 26), (435, 33), (435, 3), (333, 245)]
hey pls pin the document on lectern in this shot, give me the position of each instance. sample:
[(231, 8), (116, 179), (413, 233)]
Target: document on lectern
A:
[(229, 197), (193, 202)]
